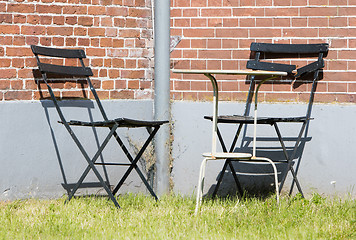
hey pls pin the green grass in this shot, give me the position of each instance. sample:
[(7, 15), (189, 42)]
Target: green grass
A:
[(173, 218)]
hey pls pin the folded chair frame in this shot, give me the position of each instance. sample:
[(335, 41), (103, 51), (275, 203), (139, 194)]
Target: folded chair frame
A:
[(256, 64), (83, 71)]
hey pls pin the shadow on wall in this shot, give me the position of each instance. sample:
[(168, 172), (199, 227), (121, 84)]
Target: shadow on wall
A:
[(256, 178), (67, 102), (85, 104)]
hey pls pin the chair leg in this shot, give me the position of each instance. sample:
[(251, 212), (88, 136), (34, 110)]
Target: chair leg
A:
[(200, 184), (275, 177)]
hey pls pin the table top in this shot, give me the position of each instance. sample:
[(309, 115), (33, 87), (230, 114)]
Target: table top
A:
[(230, 72)]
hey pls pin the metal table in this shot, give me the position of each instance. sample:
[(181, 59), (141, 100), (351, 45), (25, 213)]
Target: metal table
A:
[(213, 155)]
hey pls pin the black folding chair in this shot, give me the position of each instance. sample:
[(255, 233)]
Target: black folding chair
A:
[(269, 56), (81, 72)]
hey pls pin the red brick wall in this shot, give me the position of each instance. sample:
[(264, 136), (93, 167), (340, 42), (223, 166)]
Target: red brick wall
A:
[(217, 33), (116, 35)]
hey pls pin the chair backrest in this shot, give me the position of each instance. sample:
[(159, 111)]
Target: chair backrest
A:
[(269, 56), (52, 61)]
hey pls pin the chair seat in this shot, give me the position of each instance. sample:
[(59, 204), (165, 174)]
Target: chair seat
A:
[(123, 122), (225, 155), (260, 120)]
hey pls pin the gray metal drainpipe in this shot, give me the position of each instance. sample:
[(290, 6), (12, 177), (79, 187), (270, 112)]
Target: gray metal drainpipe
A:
[(162, 110)]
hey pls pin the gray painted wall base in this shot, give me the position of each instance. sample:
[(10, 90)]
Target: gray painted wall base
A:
[(38, 157), (327, 164)]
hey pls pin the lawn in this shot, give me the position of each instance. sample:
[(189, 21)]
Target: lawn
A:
[(173, 218)]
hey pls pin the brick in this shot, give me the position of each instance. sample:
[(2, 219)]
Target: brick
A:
[(95, 32), (4, 62), (318, 22), (71, 20), (132, 74), (114, 73), (325, 98), (25, 73), (140, 3), (18, 62), (130, 63), (18, 95), (190, 12), (243, 12), (16, 84), (230, 3), (129, 3), (306, 32), (229, 64), (95, 52), (79, 31), (232, 33), (215, 22), (337, 87), (5, 18), (85, 21), (337, 32), (96, 10), (264, 22), (318, 11), (62, 31), (214, 3), (45, 20), (181, 85), (4, 84), (111, 32), (282, 22), (71, 42), (351, 87), (9, 29), (346, 11), (94, 42), (197, 3), (265, 32), (281, 12), (337, 21), (18, 51), (117, 11), (133, 84), (230, 22), (247, 3), (74, 94), (247, 22), (33, 19), (123, 94), (216, 12), (198, 86), (299, 2), (129, 33), (58, 20), (55, 9), (337, 65), (186, 22), (18, 19), (72, 9), (21, 8), (218, 54), (198, 64), (281, 3), (347, 54), (230, 43), (120, 84)]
